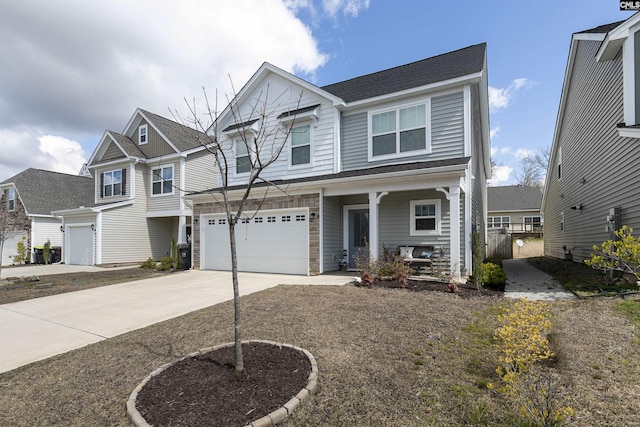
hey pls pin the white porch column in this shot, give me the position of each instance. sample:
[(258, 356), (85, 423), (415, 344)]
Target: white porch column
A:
[(182, 229), (454, 210), (374, 201)]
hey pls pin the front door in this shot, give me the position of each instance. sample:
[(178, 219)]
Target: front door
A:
[(358, 235)]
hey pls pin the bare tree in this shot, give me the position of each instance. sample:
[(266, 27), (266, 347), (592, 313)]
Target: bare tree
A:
[(6, 231), (263, 138), (533, 168)]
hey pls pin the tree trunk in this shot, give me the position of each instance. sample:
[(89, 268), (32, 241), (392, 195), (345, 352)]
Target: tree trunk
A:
[(239, 362)]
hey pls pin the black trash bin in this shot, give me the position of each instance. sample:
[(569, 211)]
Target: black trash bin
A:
[(184, 252), (56, 254), (38, 255)]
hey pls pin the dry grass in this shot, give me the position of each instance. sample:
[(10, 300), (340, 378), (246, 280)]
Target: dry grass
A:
[(387, 357)]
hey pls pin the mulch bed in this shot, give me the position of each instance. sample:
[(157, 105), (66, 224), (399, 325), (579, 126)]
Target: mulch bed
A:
[(205, 390), (465, 290)]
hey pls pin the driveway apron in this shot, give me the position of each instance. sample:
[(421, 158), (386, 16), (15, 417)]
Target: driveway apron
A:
[(43, 327)]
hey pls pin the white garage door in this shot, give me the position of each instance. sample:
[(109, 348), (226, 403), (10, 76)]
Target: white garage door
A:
[(271, 242), (80, 247), (10, 248)]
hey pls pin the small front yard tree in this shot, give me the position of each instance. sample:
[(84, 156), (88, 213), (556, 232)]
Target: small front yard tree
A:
[(5, 230), (623, 253), (263, 137)]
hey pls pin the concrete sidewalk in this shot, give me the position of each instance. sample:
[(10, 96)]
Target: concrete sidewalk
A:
[(43, 270), (43, 327), (526, 281)]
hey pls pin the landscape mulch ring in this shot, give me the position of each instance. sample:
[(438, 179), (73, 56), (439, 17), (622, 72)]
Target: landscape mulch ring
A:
[(386, 357)]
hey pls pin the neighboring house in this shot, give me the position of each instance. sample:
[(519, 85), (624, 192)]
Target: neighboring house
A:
[(138, 206), (593, 185), (398, 157), (514, 208), (28, 199)]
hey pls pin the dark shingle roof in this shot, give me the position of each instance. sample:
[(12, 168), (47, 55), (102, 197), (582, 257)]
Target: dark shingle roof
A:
[(44, 191), (183, 137), (431, 70), (513, 198), (431, 164), (601, 28), (128, 145)]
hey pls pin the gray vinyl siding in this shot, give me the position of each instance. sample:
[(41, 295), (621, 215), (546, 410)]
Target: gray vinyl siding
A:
[(599, 168), (447, 134), (394, 220), (200, 172), (272, 134), (332, 233), (125, 234), (163, 202), (112, 152)]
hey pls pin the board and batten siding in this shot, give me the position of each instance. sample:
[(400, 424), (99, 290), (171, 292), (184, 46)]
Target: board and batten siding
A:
[(284, 96), (447, 133), (332, 233), (599, 168), (112, 152), (200, 171)]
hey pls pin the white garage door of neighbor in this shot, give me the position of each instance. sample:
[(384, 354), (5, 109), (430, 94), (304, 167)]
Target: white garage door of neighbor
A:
[(10, 248), (271, 242), (80, 248)]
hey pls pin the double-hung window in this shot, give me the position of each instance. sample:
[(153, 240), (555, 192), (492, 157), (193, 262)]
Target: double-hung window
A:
[(398, 132), (425, 217), (162, 181), (142, 135), (112, 183), (498, 221), (532, 223), (301, 145), (243, 160), (11, 199)]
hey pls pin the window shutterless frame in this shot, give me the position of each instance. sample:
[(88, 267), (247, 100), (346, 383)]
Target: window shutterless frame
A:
[(143, 134), (162, 178), (425, 217)]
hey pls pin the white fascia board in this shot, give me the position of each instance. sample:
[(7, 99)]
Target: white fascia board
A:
[(169, 213), (613, 41), (80, 210), (102, 147), (444, 84), (115, 162), (43, 216), (629, 132), (111, 206)]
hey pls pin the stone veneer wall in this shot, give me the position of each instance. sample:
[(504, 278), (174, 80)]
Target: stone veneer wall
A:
[(17, 220), (311, 201)]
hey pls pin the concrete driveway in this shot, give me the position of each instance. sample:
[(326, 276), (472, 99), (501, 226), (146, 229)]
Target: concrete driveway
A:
[(42, 270), (43, 327)]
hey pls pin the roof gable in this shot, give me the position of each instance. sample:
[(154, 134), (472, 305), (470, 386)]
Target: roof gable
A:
[(109, 143), (42, 192), (448, 66), (513, 198)]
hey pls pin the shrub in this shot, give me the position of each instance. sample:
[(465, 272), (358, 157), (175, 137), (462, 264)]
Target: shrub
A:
[(46, 251), (166, 263), (149, 263), (623, 253), (492, 274), (22, 255)]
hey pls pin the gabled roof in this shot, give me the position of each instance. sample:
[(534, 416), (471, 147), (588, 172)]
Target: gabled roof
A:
[(182, 137), (42, 192), (513, 198), (451, 65), (616, 34), (130, 148)]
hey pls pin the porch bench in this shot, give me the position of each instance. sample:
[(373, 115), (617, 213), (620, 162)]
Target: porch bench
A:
[(417, 257)]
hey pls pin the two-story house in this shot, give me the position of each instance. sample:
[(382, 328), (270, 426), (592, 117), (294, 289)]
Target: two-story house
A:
[(593, 185), (140, 180), (28, 198), (398, 157)]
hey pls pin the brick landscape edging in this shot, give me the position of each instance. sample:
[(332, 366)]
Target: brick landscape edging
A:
[(271, 419)]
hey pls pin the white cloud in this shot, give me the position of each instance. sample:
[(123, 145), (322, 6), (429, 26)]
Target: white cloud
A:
[(500, 150), (78, 67), (500, 175), (521, 153), (62, 154), (494, 132), (500, 98), (347, 7)]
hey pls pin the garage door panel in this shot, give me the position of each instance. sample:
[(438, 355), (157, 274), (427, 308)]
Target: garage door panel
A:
[(80, 250), (273, 242)]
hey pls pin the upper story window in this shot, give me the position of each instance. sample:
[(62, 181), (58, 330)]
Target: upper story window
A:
[(398, 132), (425, 217), (301, 145), (559, 162), (243, 160), (162, 181), (113, 183), (142, 135), (11, 199)]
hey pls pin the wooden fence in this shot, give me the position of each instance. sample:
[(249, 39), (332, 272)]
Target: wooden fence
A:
[(499, 244)]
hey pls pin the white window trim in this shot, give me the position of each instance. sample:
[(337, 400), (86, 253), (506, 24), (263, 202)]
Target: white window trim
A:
[(11, 199), (501, 221), (173, 180), (311, 145), (236, 140), (146, 134), (104, 193), (412, 217), (397, 155)]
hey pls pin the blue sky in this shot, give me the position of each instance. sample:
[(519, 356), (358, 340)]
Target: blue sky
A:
[(79, 67)]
